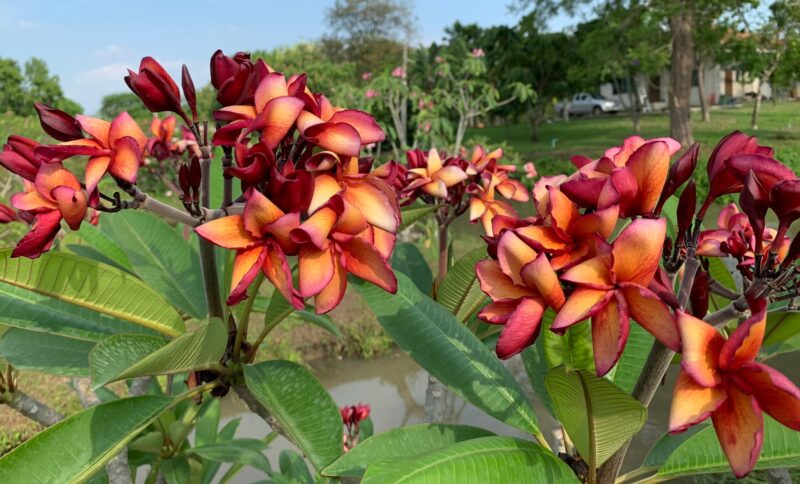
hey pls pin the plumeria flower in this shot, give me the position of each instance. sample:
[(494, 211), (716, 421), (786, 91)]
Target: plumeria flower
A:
[(19, 157), (530, 170), (485, 207), (611, 288), (55, 194), (522, 285), (399, 72), (721, 379), (429, 175), (115, 148), (631, 176), (235, 78), (156, 88), (343, 131), (260, 237)]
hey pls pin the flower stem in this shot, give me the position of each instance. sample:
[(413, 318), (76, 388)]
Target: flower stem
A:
[(444, 255), (244, 317), (208, 258)]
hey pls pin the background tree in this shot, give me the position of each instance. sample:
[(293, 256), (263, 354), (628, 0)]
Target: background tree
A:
[(11, 91), (112, 104), (18, 90)]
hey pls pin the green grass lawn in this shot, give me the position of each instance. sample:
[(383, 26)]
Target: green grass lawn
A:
[(779, 127)]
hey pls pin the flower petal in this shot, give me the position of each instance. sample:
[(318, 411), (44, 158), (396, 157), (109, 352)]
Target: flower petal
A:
[(340, 138), (542, 238), (745, 341), (692, 403), (594, 272), (124, 126), (125, 159), (364, 123), (496, 284), (363, 260), (701, 345), (316, 228), (95, 169), (71, 204), (40, 238), (276, 269), (450, 175), (512, 254), (52, 175), (375, 200), (332, 294), (96, 128), (246, 265), (228, 232), (272, 86), (325, 186), (610, 328), (740, 428), (498, 312), (775, 393), (647, 309), (259, 212), (540, 274), (316, 269), (637, 250), (583, 303), (521, 328), (650, 166), (277, 118)]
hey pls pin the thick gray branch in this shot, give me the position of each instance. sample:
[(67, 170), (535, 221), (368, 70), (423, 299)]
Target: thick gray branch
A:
[(33, 409)]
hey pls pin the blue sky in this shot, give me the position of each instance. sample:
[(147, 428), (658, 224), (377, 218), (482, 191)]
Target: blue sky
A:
[(89, 43)]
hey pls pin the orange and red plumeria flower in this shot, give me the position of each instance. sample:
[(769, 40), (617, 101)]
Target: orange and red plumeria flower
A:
[(721, 379)]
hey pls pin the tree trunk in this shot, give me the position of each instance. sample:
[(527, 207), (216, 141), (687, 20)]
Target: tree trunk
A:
[(565, 109), (636, 103), (536, 116), (701, 89), (756, 108), (680, 79)]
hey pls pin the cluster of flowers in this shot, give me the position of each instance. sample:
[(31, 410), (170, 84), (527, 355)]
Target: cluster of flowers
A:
[(468, 181), (564, 259), (352, 416)]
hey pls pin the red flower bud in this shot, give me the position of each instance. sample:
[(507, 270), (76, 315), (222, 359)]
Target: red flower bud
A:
[(686, 205), (57, 123), (7, 214), (699, 294), (189, 91), (679, 172), (156, 88), (784, 199), (236, 79), (19, 158), (754, 201), (361, 412)]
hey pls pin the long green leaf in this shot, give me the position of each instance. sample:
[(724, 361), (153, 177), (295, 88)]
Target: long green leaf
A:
[(666, 445), (449, 351), (781, 326), (238, 451), (191, 351), (630, 364), (573, 349), (402, 442), (460, 292), (104, 244), (48, 353), (414, 213), (479, 461), (302, 407), (701, 453), (407, 259), (77, 447), (161, 257), (28, 310), (536, 367), (93, 286), (319, 320), (720, 273), (598, 416)]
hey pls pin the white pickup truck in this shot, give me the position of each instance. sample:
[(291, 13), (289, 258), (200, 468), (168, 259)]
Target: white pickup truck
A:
[(585, 103)]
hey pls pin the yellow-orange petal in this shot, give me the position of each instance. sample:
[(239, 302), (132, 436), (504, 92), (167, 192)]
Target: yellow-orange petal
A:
[(542, 237), (496, 284), (363, 260), (364, 123), (476, 208), (52, 175), (601, 222), (316, 268), (228, 232), (450, 175), (124, 126), (740, 429), (276, 269), (96, 128), (513, 254), (498, 312), (281, 230), (436, 188), (277, 118), (383, 241), (71, 204), (95, 169), (610, 328), (434, 161), (325, 186), (701, 345), (583, 303), (259, 212), (647, 309), (340, 138), (272, 86), (32, 201), (637, 250), (374, 200), (692, 403), (306, 120), (563, 211), (125, 159), (775, 393), (745, 341), (540, 274), (246, 265), (316, 229), (332, 294), (649, 165), (594, 272), (232, 113)]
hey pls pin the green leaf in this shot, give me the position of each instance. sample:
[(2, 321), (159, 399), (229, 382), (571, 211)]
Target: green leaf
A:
[(598, 416), (449, 351), (176, 470), (92, 286), (104, 244), (720, 273), (630, 364), (573, 349), (48, 353), (321, 320), (460, 292), (407, 259), (207, 423), (666, 445), (191, 351), (781, 326), (238, 451), (302, 407), (701, 453), (292, 464), (401, 442), (77, 447), (161, 257), (481, 460), (278, 309), (25, 309), (115, 354), (414, 213), (536, 367)]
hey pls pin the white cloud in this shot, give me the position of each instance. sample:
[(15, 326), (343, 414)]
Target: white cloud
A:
[(27, 25), (109, 72)]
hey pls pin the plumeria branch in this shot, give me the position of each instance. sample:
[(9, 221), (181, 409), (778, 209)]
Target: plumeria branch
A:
[(31, 408)]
